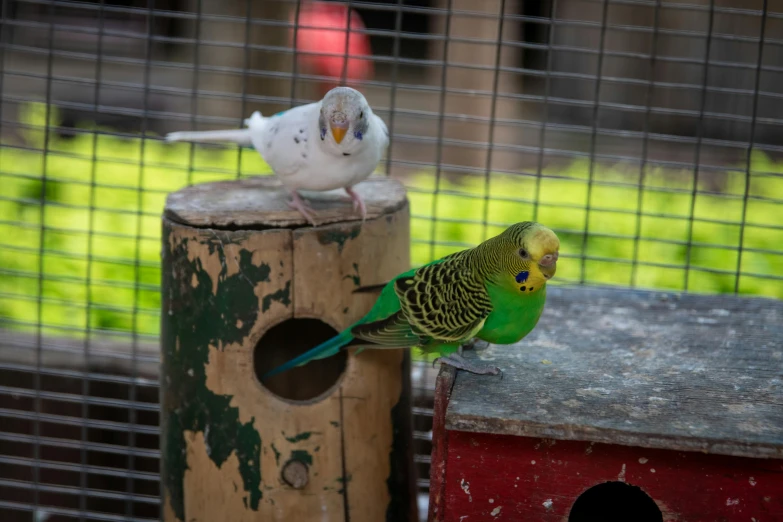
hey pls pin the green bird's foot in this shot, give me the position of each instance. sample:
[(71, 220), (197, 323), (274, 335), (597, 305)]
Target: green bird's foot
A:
[(476, 344), (457, 361)]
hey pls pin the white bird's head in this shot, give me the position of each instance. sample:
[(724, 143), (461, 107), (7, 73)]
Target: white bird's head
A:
[(345, 117)]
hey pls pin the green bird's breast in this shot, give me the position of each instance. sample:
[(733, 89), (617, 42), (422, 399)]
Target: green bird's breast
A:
[(514, 315)]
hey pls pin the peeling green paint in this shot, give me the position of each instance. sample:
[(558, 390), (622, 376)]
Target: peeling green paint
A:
[(302, 456), (335, 424), (197, 318), (299, 437), (343, 481), (338, 235), (277, 454), (356, 279), (220, 238), (282, 296)]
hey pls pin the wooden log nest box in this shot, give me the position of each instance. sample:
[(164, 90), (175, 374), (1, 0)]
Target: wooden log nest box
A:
[(247, 286), (621, 406)]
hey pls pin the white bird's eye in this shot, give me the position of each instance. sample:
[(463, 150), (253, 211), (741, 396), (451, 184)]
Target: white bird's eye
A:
[(523, 253), (361, 114)]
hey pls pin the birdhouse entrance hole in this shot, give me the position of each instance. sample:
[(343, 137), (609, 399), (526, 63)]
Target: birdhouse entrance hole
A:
[(615, 502), (286, 340)]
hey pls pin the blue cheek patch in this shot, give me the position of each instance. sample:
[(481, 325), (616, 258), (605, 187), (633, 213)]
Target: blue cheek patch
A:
[(522, 276), (323, 132), (358, 135), (279, 113)]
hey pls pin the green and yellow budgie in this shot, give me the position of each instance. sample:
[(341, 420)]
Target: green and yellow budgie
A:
[(494, 292)]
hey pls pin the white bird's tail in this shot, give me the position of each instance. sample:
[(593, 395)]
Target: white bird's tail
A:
[(240, 136)]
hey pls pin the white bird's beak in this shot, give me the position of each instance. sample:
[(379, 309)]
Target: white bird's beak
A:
[(338, 130)]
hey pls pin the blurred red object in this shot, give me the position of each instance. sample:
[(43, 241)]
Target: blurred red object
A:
[(322, 29)]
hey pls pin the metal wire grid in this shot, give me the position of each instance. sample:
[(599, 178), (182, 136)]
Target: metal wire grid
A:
[(79, 398)]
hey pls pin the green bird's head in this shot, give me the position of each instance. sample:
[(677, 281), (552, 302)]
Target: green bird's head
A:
[(527, 255)]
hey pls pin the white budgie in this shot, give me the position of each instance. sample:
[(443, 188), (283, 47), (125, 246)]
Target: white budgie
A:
[(334, 143)]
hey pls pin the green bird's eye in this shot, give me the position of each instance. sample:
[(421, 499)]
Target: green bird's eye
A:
[(523, 253)]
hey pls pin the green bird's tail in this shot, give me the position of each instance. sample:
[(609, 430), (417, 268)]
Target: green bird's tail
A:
[(323, 350)]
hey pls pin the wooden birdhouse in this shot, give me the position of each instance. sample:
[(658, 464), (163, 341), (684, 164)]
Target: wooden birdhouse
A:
[(247, 285), (621, 406)]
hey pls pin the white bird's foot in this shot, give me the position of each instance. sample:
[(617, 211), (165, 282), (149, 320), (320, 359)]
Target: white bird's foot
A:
[(301, 205), (457, 361), (358, 203)]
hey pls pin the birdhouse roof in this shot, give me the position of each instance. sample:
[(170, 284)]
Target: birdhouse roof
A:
[(650, 369)]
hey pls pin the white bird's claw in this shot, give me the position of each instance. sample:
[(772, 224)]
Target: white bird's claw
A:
[(297, 203), (358, 202)]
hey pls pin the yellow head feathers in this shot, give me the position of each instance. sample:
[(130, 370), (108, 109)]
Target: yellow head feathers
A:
[(525, 254)]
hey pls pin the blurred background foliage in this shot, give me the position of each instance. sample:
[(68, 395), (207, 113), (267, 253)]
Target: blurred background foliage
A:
[(95, 274)]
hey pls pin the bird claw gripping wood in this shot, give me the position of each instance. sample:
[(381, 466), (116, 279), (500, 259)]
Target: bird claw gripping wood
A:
[(476, 344), (457, 361), (297, 203), (358, 202)]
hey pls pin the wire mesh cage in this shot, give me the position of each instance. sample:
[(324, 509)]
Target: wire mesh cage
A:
[(646, 133)]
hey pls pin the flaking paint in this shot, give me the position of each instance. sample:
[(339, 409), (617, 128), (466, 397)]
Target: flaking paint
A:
[(205, 313), (338, 235)]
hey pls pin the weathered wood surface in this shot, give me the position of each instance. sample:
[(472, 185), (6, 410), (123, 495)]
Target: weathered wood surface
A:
[(682, 372), (226, 438), (262, 202)]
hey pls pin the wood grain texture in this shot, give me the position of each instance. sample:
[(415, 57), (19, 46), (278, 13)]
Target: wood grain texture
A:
[(216, 449), (656, 370), (507, 478), (331, 262), (226, 438), (262, 202)]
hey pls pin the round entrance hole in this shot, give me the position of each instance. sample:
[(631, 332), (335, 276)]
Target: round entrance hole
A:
[(286, 340), (615, 502)]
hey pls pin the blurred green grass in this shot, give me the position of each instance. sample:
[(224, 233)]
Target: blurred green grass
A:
[(128, 182)]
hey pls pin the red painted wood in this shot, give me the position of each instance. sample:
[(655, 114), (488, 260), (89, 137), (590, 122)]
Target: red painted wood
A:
[(443, 386), (501, 477)]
